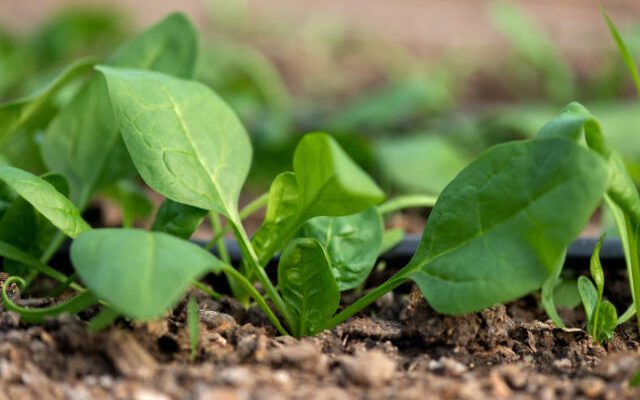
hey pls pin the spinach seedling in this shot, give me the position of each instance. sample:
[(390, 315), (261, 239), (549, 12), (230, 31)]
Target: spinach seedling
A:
[(602, 317)]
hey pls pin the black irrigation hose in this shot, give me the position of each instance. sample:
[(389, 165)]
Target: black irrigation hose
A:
[(579, 251)]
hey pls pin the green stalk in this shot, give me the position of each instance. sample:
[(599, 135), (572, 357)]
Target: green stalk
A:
[(634, 269), (37, 315), (248, 210), (260, 273), (408, 201), (247, 286), (103, 319), (205, 289), (364, 301)]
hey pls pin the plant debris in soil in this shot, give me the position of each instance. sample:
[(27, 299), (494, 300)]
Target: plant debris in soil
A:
[(405, 351)]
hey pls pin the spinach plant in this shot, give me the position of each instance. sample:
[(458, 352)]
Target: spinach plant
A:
[(497, 231)]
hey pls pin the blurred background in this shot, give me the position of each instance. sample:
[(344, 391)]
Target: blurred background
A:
[(413, 89)]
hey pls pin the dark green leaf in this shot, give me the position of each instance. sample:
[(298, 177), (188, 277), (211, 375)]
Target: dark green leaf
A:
[(607, 321), (596, 268), (133, 201), (352, 243), (185, 141), (500, 226), (307, 284), (178, 219), (140, 274)]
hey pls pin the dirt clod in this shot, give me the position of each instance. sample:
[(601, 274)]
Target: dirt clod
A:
[(373, 368)]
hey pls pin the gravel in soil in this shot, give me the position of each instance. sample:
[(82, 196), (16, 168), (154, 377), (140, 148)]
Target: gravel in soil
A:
[(404, 351)]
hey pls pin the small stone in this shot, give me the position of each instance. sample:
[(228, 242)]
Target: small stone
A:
[(237, 376), (563, 364), (592, 387), (303, 355), (217, 321), (252, 347), (448, 366), (372, 368)]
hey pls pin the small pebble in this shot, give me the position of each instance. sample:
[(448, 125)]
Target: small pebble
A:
[(373, 368)]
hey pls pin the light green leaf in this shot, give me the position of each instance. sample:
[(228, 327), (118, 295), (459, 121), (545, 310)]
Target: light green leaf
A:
[(607, 321), (307, 284), (186, 143), (178, 219), (82, 142), (140, 274), (589, 296), (330, 183), (500, 226), (352, 243), (46, 199), (596, 268), (547, 297)]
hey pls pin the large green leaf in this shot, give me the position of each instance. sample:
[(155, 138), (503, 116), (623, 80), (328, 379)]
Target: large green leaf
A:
[(185, 141), (330, 183), (430, 157), (82, 142), (138, 273), (500, 226), (307, 284), (178, 219), (44, 197), (352, 243)]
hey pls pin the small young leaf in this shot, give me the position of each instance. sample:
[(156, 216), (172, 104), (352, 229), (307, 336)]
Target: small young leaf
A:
[(46, 199), (589, 296), (140, 274), (352, 243), (596, 268), (186, 143), (500, 226), (566, 293), (307, 284), (178, 219), (330, 183), (607, 322)]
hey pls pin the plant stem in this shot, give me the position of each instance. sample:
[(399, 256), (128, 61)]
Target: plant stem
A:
[(634, 269), (248, 210), (252, 259), (408, 201), (205, 289), (103, 319), (364, 301), (223, 252), (242, 281)]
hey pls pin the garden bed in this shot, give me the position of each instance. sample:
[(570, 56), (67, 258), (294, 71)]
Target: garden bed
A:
[(401, 349)]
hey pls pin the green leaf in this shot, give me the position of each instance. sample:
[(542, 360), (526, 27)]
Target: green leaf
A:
[(330, 183), (500, 226), (133, 201), (352, 243), (281, 209), (566, 293), (596, 268), (23, 227), (307, 284), (325, 182), (635, 380), (624, 51), (82, 142), (548, 289), (44, 197), (178, 219), (589, 296), (140, 274), (17, 113), (186, 143), (429, 157), (607, 321)]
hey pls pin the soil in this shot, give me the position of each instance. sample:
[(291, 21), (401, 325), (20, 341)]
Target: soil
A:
[(398, 349)]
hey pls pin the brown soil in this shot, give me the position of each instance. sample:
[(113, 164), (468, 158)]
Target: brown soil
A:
[(404, 351)]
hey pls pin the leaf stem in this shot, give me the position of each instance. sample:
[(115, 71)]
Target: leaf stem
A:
[(242, 281), (408, 201), (364, 301), (103, 319), (248, 210), (252, 258), (207, 290), (37, 315)]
